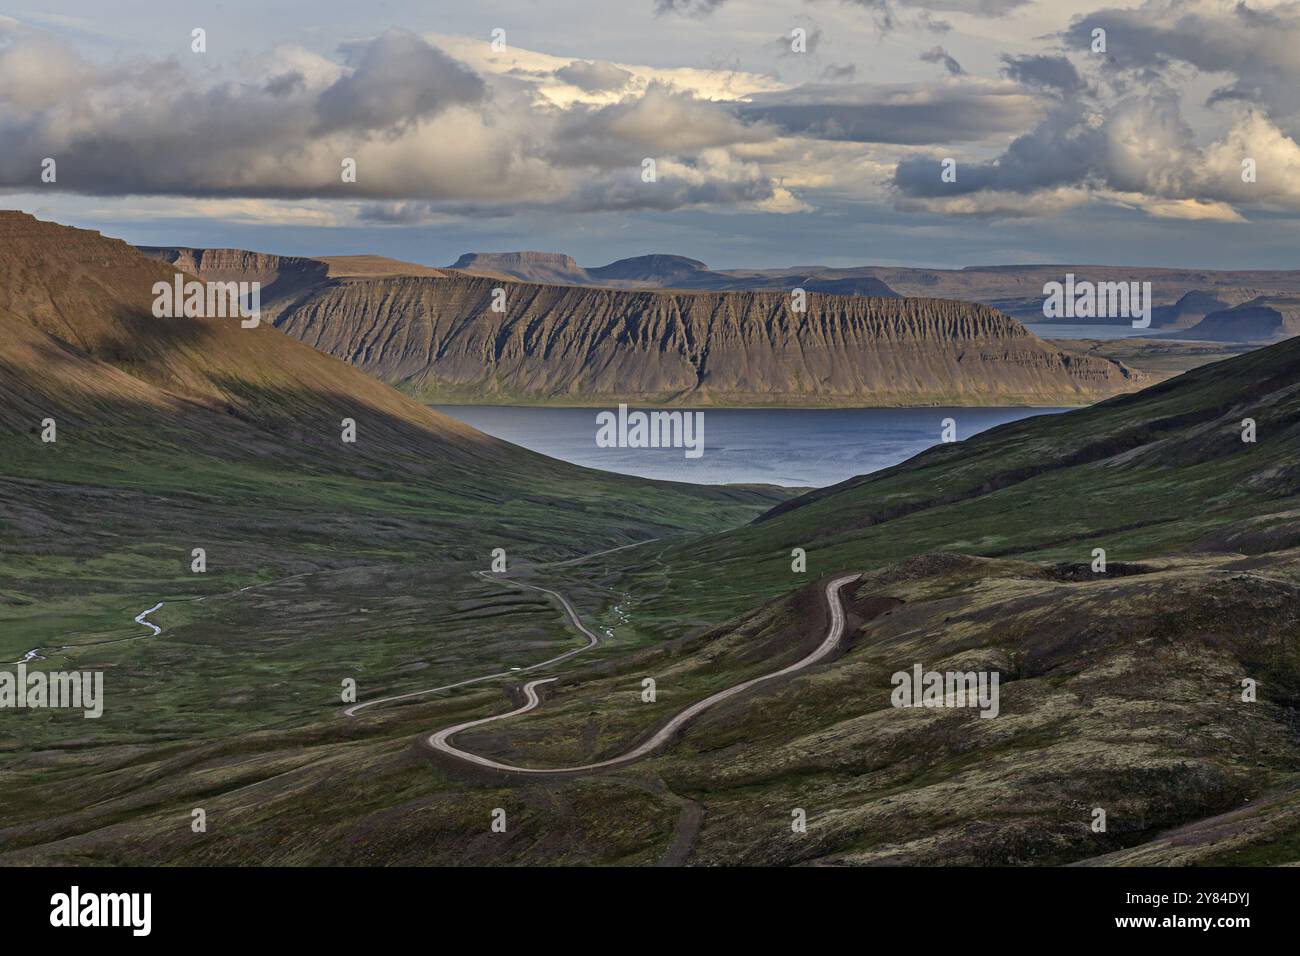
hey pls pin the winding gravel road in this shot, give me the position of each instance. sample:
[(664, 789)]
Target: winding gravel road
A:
[(140, 619), (441, 741), (592, 640)]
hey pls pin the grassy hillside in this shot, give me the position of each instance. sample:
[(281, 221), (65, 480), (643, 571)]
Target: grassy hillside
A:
[(1160, 471)]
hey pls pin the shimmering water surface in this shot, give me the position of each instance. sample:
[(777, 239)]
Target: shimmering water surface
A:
[(795, 447)]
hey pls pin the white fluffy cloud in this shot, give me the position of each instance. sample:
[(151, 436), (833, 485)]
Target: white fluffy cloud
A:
[(1121, 133), (423, 128), (443, 126)]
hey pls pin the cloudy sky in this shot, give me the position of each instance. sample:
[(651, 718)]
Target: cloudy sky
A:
[(783, 132)]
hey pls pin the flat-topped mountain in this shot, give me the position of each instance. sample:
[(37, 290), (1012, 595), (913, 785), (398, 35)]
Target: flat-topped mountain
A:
[(440, 339), (1196, 305), (659, 268), (1265, 318), (528, 266)]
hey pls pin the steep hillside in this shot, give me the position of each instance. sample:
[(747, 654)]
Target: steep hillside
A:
[(81, 341)]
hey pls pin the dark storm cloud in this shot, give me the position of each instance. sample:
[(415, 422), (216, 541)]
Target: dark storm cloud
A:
[(1051, 72), (1261, 48), (975, 8), (687, 8), (865, 113), (605, 191), (398, 78), (1062, 150), (939, 55)]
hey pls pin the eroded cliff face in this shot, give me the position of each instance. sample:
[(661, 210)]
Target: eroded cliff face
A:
[(440, 339)]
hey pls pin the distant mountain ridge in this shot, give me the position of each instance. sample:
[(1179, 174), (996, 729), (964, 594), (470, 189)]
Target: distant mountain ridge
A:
[(1196, 305), (1263, 319), (1182, 297), (655, 266), (553, 267), (439, 338), (661, 271)]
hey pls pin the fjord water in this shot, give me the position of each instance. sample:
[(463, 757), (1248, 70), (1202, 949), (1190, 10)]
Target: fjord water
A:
[(796, 447), (1089, 330)]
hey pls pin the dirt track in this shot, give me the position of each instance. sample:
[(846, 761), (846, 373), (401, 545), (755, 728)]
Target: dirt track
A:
[(440, 741)]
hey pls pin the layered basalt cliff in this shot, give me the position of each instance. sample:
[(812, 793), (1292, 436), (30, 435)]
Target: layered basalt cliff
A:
[(440, 339)]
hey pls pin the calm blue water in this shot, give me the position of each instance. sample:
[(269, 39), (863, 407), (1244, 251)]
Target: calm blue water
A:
[(1088, 330), (794, 447)]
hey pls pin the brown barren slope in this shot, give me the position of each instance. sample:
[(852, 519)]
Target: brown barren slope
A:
[(79, 341)]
